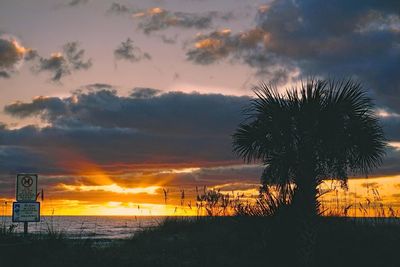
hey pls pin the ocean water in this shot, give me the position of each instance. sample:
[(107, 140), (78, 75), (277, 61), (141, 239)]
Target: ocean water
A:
[(94, 227)]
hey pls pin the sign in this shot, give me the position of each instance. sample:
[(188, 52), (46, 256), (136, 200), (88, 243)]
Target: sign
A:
[(26, 212), (26, 187)]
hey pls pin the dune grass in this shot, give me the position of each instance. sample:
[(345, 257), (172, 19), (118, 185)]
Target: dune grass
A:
[(262, 233), (214, 241)]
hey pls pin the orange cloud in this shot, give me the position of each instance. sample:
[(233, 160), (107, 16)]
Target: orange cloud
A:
[(151, 190)]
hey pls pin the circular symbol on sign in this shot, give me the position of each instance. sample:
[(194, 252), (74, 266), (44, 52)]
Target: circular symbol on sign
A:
[(27, 181)]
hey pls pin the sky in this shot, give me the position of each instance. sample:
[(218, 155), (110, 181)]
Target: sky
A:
[(112, 102)]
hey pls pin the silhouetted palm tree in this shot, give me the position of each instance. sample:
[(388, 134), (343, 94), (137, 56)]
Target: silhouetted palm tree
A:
[(324, 129)]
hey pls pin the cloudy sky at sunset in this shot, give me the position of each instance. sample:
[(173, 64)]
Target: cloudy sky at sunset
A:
[(110, 102)]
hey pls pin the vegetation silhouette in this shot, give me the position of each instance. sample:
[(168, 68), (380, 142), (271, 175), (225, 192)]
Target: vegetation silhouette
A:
[(325, 129)]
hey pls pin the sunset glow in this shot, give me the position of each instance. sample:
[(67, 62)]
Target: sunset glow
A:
[(112, 188), (365, 197), (20, 49)]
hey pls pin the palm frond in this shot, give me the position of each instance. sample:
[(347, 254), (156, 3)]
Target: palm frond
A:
[(328, 125)]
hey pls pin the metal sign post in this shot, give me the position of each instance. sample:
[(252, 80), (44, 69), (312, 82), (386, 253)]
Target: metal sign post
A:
[(26, 209), (25, 228)]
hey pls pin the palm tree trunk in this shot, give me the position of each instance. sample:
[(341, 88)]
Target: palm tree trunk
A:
[(305, 206), (305, 198)]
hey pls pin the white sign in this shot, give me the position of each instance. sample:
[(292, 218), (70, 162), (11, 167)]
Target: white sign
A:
[(26, 212), (26, 187)]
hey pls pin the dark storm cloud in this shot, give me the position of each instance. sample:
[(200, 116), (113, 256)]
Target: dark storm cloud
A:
[(228, 177), (60, 65), (144, 110), (12, 54), (75, 56), (141, 92), (247, 47), (119, 9), (391, 126), (31, 55), (390, 165), (9, 54), (221, 44), (156, 19), (16, 159), (60, 149), (128, 51), (77, 2), (129, 134), (364, 42), (56, 64), (128, 158), (309, 37), (221, 175), (4, 74), (38, 106), (168, 40), (95, 86), (146, 127)]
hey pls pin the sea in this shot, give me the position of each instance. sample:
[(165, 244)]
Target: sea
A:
[(81, 227)]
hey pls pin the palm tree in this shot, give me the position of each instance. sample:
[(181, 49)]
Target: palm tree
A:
[(326, 129)]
